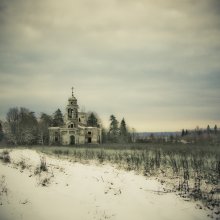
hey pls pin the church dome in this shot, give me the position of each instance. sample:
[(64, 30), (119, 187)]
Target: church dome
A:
[(73, 98)]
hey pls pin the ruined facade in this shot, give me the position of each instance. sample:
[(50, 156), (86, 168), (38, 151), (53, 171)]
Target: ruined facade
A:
[(75, 129)]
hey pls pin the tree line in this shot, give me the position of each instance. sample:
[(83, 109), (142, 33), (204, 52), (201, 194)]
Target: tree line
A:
[(22, 127), (199, 131), (117, 132), (207, 134)]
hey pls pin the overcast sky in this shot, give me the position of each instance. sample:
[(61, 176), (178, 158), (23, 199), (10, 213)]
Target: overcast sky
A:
[(154, 62)]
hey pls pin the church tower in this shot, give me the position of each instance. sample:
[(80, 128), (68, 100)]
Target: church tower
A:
[(71, 117)]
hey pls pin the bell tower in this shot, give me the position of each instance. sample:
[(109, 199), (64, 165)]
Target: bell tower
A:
[(72, 112)]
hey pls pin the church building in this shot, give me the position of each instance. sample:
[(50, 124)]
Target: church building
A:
[(75, 129)]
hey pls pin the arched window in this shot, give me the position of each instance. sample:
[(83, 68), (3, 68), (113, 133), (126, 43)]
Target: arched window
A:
[(69, 113)]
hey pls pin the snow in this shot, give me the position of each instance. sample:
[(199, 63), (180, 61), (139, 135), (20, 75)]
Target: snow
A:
[(85, 191)]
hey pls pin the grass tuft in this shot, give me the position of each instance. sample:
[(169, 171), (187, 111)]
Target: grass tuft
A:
[(5, 157)]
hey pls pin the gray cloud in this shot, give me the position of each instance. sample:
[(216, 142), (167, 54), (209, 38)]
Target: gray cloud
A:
[(154, 62)]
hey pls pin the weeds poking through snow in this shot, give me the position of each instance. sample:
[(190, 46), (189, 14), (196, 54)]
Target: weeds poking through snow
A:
[(24, 202), (42, 172), (22, 164), (45, 181), (42, 167), (5, 157), (3, 188), (61, 152), (43, 164), (196, 167)]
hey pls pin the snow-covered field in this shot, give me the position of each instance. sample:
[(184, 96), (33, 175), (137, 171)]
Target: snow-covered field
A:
[(77, 191)]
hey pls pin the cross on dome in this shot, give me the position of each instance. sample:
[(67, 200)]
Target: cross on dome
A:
[(72, 91)]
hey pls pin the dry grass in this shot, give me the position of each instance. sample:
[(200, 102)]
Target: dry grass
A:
[(192, 170)]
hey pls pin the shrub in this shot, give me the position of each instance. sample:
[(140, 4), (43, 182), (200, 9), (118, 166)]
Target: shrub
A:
[(5, 157), (45, 181), (22, 164)]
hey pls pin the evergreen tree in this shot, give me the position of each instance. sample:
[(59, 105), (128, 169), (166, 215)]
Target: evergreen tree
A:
[(152, 137), (215, 129), (208, 129), (58, 118), (183, 133), (104, 136), (113, 129), (92, 120), (123, 132)]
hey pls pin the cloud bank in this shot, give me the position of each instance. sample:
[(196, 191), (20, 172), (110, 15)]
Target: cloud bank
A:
[(154, 62)]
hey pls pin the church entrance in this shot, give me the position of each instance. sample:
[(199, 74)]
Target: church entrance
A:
[(89, 140), (72, 140)]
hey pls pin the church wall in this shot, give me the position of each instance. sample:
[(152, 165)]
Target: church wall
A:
[(93, 134), (66, 134), (82, 117), (63, 135), (81, 139), (65, 138)]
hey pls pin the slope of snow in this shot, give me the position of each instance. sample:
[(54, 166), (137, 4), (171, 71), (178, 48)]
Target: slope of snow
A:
[(85, 192)]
